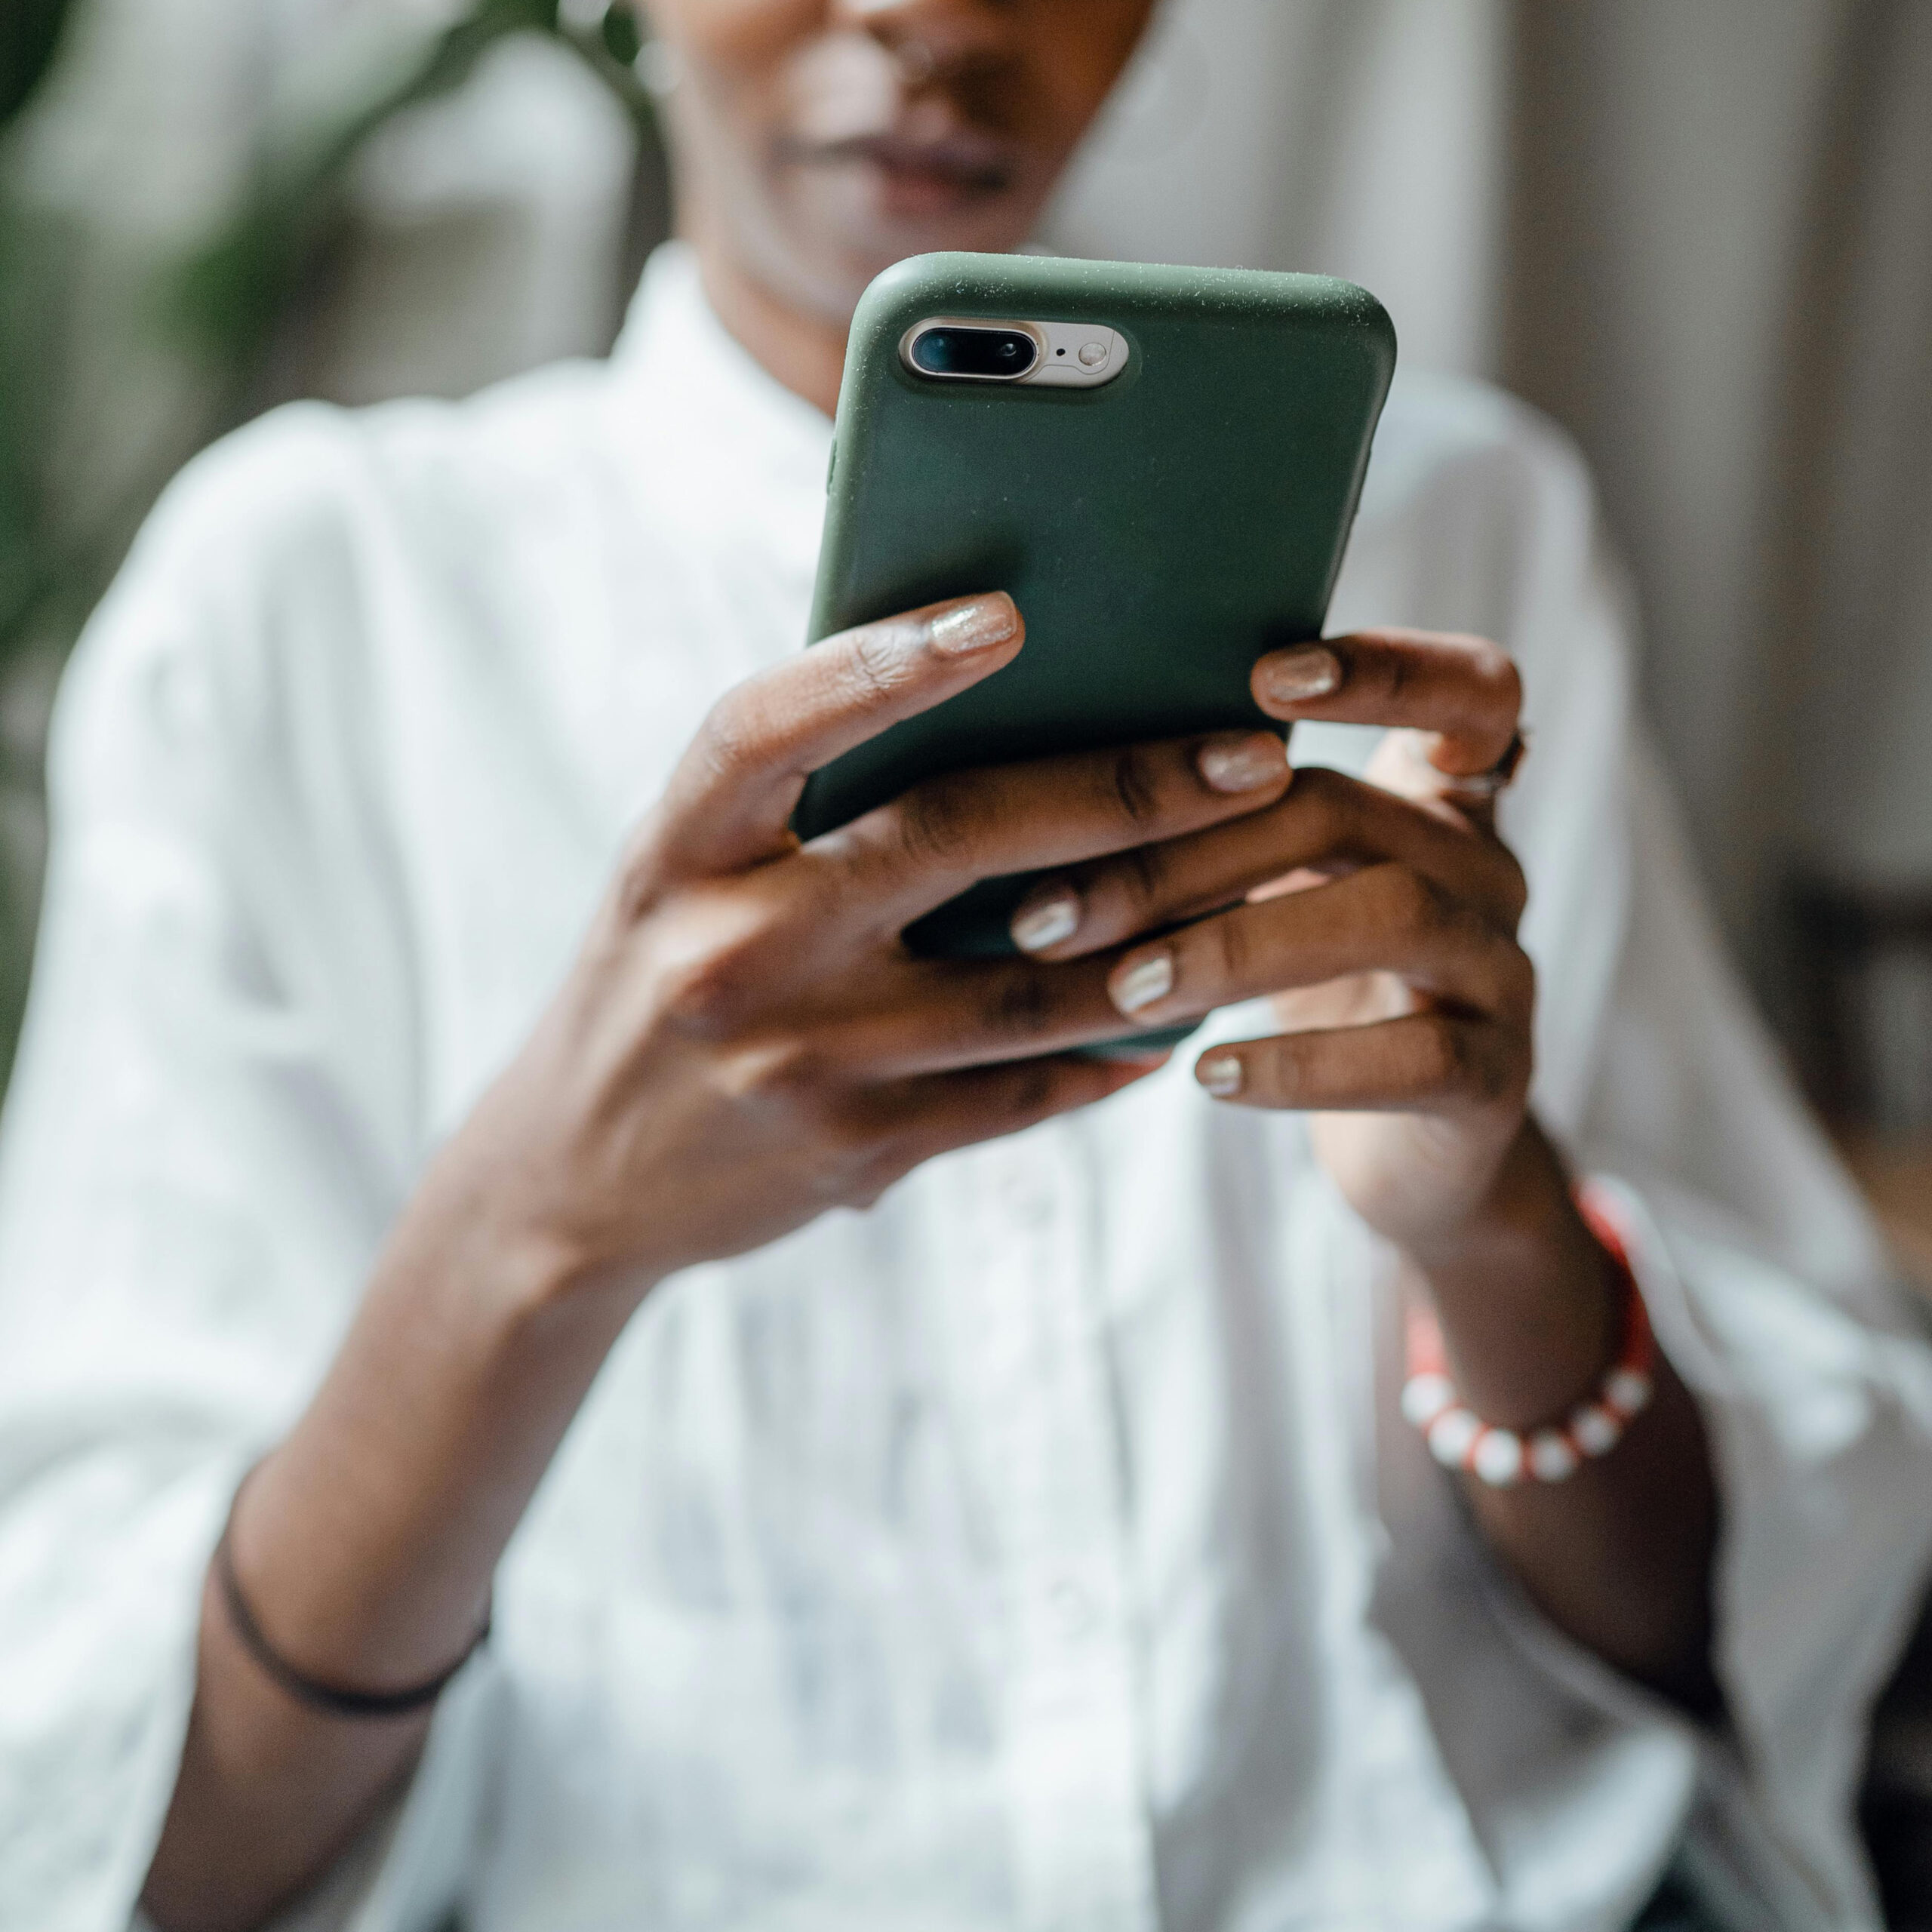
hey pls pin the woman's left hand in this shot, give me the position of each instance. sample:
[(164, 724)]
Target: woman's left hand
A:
[(1381, 917)]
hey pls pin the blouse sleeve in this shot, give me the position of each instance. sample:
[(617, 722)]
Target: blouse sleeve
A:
[(211, 1124), (1770, 1290), (1774, 1298)]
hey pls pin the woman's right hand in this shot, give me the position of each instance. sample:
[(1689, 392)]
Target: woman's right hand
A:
[(743, 1041)]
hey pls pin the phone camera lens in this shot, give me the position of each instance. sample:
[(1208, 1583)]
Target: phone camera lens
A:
[(985, 354)]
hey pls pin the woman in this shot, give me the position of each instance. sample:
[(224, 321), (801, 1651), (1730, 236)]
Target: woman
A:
[(907, 1472)]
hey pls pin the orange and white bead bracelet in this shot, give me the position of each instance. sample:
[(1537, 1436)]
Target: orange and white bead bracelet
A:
[(1459, 1438)]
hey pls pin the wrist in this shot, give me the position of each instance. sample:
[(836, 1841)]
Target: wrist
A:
[(502, 1251), (366, 1541), (1527, 1300), (1524, 1203)]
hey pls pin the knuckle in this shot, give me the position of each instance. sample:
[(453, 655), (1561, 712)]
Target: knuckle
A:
[(1033, 1086), (1019, 1005), (1233, 949), (1498, 671), (856, 1158), (636, 883), (884, 1144), (789, 1077), (1443, 1052), (710, 973), (1144, 871), (1333, 805), (936, 823), (726, 739), (872, 1176), (1490, 1076), (817, 890), (1499, 1076), (1290, 1064), (1462, 1062), (800, 1075), (699, 995), (1395, 677), (1513, 887), (1519, 981), (873, 668), (1411, 904), (1136, 786)]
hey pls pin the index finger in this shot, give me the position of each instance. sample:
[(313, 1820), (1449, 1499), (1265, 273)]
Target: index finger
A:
[(729, 802), (1466, 690)]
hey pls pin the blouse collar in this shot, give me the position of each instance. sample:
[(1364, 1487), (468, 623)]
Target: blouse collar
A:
[(674, 353)]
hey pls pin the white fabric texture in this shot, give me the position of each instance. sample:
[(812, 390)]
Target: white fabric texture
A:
[(1036, 1549)]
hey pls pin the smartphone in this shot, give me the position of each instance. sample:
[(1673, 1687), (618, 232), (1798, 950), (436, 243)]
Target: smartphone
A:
[(1160, 465)]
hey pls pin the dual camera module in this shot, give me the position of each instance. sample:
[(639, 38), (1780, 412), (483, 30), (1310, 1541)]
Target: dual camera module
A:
[(1060, 355), (994, 355)]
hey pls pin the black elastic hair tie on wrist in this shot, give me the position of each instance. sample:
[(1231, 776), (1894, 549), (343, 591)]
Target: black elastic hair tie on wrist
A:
[(336, 1700)]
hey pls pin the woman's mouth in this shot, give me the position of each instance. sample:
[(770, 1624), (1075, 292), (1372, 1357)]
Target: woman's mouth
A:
[(920, 178)]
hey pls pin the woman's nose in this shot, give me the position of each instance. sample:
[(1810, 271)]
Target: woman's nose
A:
[(865, 13), (929, 33)]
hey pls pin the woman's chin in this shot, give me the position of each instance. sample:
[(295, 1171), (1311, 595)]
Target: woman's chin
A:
[(870, 213)]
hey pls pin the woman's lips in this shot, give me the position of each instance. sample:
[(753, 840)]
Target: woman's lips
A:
[(921, 177)]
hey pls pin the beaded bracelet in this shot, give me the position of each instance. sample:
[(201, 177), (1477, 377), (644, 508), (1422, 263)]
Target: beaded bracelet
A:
[(1459, 1438)]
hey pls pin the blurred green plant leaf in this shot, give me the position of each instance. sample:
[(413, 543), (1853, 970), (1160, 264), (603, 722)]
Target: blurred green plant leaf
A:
[(623, 39), (226, 297), (230, 293), (223, 301), (29, 37)]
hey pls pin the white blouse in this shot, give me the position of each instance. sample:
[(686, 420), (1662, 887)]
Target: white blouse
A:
[(1038, 1549)]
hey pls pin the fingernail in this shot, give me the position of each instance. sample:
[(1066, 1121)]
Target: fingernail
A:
[(1240, 761), (1221, 1073), (1045, 918), (1293, 677), (1144, 982), (977, 624)]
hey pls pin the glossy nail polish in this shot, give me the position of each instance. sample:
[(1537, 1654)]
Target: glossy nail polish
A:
[(978, 624), (1046, 918), (1294, 677), (1221, 1073), (1241, 761), (1144, 982)]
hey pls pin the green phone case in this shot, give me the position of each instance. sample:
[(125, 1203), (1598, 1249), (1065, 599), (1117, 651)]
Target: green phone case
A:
[(1159, 533)]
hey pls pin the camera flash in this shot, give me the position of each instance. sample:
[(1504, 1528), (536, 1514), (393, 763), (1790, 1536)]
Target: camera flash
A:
[(1093, 354)]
